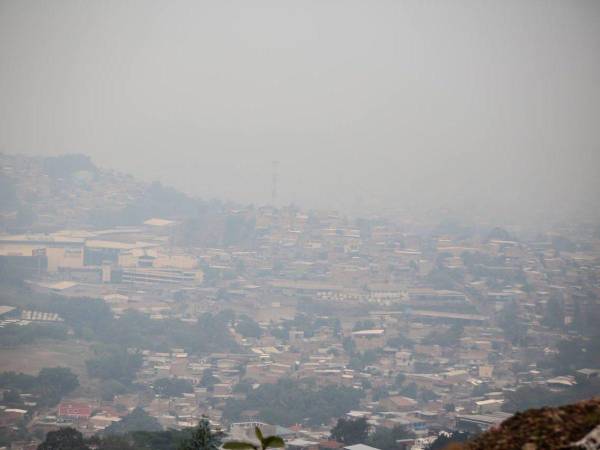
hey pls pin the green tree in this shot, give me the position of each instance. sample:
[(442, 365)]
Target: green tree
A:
[(399, 380), (410, 390), (202, 438), (288, 402), (448, 337), (349, 345), (387, 438), (576, 353), (208, 379), (54, 383), (380, 392), (248, 327), (110, 388), (511, 323), (265, 443), (399, 342), (212, 333), (12, 397), (554, 316), (480, 389), (358, 361), (62, 379), (50, 385), (64, 439), (349, 431), (172, 387), (114, 363), (111, 443), (137, 420), (527, 397)]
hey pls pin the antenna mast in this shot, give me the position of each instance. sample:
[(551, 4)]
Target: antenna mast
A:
[(274, 186)]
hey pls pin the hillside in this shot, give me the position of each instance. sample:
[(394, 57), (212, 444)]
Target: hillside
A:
[(42, 195), (542, 429)]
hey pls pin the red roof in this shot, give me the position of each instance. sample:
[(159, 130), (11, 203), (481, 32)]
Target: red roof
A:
[(74, 410)]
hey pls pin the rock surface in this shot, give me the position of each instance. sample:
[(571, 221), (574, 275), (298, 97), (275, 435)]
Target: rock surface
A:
[(542, 429)]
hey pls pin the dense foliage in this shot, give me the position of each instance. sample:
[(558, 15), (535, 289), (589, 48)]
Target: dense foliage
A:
[(449, 336), (93, 320), (576, 353), (136, 420), (14, 335), (247, 327), (114, 363), (527, 397), (64, 439), (351, 431), (212, 333), (288, 402), (172, 387), (49, 386), (308, 323), (200, 437), (360, 360), (387, 438)]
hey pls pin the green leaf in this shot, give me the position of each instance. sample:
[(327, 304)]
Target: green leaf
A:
[(236, 445), (259, 434), (273, 441)]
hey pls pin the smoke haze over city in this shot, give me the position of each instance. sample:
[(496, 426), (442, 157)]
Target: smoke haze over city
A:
[(299, 225), (478, 107)]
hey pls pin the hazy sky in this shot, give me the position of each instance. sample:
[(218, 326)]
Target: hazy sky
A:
[(365, 104)]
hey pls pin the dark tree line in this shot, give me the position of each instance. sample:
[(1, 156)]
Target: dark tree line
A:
[(288, 402), (93, 320), (200, 437), (358, 431), (49, 386)]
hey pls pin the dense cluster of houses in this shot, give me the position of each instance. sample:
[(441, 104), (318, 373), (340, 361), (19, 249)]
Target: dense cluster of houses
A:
[(412, 316)]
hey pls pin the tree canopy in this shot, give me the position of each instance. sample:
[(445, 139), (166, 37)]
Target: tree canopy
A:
[(288, 402), (351, 431), (172, 387), (64, 439), (49, 386), (202, 438), (137, 420), (387, 438)]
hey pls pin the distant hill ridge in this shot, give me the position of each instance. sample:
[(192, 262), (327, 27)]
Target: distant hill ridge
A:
[(42, 195)]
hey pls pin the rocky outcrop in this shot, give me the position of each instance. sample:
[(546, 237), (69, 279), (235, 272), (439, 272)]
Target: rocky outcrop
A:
[(565, 427)]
